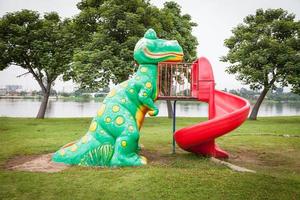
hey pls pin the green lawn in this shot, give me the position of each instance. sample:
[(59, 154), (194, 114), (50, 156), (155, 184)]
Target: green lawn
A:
[(257, 145)]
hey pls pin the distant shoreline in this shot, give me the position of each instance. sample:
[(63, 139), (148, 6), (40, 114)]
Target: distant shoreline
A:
[(26, 97), (86, 98)]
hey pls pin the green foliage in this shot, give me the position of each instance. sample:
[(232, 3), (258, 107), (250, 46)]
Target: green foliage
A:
[(113, 28), (40, 45), (43, 46), (179, 27), (264, 50)]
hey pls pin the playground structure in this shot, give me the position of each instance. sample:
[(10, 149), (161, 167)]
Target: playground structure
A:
[(225, 111), (112, 139)]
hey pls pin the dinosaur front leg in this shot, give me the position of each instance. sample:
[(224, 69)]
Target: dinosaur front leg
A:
[(145, 97)]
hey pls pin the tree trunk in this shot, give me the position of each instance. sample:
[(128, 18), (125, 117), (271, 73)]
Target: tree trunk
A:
[(43, 106), (170, 109), (260, 99)]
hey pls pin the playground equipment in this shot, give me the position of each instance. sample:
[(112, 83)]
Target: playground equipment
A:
[(113, 136), (225, 111)]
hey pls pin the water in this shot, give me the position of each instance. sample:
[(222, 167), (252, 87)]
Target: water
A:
[(61, 108)]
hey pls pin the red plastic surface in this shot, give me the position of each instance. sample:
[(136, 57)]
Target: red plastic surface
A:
[(226, 112)]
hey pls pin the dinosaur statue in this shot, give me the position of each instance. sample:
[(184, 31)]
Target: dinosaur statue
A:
[(113, 136)]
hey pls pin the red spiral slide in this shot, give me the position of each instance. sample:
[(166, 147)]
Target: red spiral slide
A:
[(225, 112)]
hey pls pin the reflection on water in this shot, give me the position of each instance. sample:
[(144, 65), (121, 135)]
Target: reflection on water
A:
[(63, 108)]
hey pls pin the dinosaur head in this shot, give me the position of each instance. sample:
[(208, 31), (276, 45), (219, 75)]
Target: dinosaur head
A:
[(152, 50)]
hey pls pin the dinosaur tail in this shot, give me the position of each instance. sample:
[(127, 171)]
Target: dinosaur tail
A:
[(86, 152)]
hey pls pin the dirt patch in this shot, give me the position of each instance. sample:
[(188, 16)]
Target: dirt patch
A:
[(155, 157), (246, 157), (256, 159), (36, 163), (43, 163)]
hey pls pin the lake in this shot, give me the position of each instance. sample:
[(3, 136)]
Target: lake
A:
[(63, 108)]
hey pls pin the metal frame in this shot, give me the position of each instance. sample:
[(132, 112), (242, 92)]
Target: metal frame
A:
[(174, 127), (166, 72)]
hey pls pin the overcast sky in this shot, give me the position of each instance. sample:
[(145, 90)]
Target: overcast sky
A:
[(215, 19)]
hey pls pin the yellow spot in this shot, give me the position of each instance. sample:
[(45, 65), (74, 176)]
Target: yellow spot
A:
[(144, 69), (119, 120), (107, 119), (84, 139), (74, 148), (101, 110), (102, 132), (62, 152), (144, 94), (112, 93), (137, 78), (131, 128), (123, 143), (123, 100), (115, 108), (148, 85), (131, 91), (124, 84), (93, 126)]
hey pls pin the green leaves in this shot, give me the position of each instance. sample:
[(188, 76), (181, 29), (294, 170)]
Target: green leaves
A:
[(265, 49), (43, 46), (111, 30)]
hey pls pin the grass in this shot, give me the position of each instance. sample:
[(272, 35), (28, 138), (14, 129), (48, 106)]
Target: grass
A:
[(258, 145)]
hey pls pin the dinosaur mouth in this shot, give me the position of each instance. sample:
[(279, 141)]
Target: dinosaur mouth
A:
[(175, 56)]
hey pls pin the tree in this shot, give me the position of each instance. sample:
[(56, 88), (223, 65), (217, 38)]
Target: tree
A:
[(113, 27), (174, 25), (42, 46), (264, 52)]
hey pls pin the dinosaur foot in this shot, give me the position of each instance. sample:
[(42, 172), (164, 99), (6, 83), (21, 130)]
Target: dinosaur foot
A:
[(125, 161)]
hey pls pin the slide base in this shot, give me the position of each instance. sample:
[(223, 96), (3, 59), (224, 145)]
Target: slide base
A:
[(210, 149)]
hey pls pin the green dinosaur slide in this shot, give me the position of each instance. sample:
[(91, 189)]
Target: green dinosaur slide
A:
[(113, 136)]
